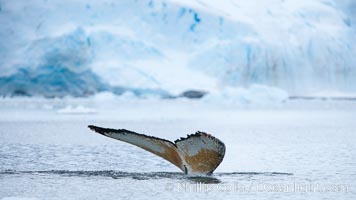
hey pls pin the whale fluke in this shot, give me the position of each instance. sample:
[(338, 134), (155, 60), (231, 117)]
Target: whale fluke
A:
[(198, 153)]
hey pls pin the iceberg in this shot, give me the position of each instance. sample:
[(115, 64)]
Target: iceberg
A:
[(165, 47), (255, 95)]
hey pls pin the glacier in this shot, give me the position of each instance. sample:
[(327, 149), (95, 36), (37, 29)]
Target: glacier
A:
[(165, 47)]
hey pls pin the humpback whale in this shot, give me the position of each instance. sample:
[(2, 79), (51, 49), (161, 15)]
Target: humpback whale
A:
[(197, 154)]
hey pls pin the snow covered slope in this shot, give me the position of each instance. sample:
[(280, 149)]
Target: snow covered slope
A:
[(304, 47)]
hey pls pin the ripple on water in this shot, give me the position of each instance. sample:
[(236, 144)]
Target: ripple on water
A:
[(206, 179)]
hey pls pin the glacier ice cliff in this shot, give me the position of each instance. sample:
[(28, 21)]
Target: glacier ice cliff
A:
[(51, 82), (78, 48)]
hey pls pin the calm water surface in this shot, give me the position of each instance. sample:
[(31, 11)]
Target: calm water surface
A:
[(284, 153)]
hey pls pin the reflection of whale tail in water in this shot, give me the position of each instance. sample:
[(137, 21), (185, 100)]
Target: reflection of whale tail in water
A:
[(199, 153)]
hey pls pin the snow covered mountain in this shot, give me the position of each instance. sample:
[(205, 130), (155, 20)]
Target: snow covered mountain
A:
[(76, 47)]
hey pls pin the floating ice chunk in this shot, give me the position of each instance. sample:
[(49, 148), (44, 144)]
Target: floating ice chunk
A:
[(76, 110), (265, 94), (104, 96), (255, 94), (228, 95), (128, 95)]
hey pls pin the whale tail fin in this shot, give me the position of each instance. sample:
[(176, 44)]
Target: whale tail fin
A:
[(198, 153)]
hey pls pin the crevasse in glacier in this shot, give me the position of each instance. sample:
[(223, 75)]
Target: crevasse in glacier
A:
[(58, 48)]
